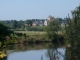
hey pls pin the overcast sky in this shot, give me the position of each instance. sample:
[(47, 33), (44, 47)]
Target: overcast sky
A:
[(35, 9)]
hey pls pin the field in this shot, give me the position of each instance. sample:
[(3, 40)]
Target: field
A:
[(31, 32), (34, 32)]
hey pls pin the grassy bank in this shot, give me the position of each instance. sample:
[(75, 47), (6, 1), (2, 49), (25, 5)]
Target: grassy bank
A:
[(33, 36), (29, 37), (37, 36)]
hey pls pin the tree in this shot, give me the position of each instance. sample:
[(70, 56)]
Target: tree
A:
[(73, 35), (15, 24), (52, 29), (29, 22), (4, 31)]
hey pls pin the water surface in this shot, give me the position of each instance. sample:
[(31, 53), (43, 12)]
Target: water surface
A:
[(35, 52)]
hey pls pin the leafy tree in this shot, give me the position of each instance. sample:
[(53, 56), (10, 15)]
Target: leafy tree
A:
[(20, 24), (52, 29), (4, 31), (73, 34), (29, 22), (15, 24)]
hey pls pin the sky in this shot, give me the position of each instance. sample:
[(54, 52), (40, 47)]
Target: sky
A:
[(36, 9)]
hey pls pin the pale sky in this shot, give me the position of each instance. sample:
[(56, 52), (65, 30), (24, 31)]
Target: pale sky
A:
[(35, 9)]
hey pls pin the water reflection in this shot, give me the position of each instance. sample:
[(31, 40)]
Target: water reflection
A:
[(56, 53), (43, 51)]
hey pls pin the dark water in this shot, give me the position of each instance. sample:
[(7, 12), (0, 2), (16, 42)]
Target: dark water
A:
[(45, 51)]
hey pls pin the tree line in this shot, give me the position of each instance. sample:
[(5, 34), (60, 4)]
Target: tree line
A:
[(22, 25)]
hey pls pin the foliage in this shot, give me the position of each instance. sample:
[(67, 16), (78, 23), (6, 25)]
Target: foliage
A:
[(52, 29), (21, 24), (14, 24), (73, 35), (4, 31), (29, 22)]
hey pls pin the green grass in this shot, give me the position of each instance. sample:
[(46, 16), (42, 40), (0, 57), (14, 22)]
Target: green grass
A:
[(34, 32), (30, 32), (38, 26)]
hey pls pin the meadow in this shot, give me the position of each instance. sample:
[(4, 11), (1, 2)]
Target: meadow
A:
[(31, 32)]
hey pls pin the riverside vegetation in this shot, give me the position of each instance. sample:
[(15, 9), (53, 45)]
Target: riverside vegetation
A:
[(70, 35)]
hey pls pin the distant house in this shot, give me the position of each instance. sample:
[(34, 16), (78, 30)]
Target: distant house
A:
[(45, 23), (34, 23), (47, 20), (38, 23), (41, 23)]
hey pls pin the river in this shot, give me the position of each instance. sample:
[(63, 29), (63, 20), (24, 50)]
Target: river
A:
[(43, 51)]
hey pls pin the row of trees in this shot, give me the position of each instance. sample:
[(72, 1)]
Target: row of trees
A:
[(18, 24), (14, 24)]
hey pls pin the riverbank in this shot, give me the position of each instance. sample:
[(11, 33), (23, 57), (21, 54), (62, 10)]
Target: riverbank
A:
[(21, 37)]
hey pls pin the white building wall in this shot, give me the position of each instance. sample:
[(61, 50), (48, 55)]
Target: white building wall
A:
[(45, 23)]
